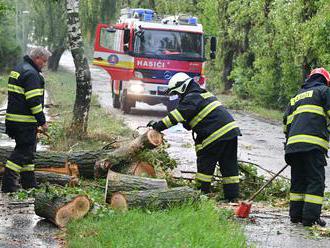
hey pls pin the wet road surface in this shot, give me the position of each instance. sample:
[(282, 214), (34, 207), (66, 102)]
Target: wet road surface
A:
[(19, 226)]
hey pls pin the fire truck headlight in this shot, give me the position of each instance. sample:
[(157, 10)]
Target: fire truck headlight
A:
[(136, 88), (138, 74)]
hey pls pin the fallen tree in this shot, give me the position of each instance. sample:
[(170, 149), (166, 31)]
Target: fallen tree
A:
[(121, 182), (155, 198), (90, 162), (61, 209), (55, 178)]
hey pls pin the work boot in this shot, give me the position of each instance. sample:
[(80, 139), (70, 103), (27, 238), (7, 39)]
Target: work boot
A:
[(295, 220), (10, 181), (28, 180), (319, 222)]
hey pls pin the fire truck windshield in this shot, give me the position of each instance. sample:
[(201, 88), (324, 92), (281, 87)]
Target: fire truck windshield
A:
[(169, 44)]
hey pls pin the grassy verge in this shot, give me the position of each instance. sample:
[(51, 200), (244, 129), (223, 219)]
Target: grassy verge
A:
[(233, 102), (3, 87), (102, 127), (198, 225)]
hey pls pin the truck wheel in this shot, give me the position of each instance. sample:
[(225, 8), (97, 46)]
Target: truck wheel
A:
[(115, 101), (125, 104)]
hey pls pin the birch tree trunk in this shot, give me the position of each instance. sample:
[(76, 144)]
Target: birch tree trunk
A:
[(83, 76)]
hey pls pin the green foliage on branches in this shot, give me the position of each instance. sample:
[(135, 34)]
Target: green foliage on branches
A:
[(9, 50), (275, 43)]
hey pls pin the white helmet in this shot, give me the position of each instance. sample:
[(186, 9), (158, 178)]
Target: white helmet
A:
[(178, 83)]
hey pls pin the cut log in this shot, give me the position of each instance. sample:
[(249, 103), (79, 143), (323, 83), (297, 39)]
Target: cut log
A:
[(139, 168), (86, 160), (61, 162), (121, 182), (60, 210), (156, 198), (54, 178)]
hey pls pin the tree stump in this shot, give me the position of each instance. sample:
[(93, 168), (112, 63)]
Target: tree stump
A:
[(60, 210), (154, 198)]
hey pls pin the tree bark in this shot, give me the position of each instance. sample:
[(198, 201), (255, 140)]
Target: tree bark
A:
[(85, 161), (155, 198), (54, 60), (120, 156), (83, 76), (54, 178), (121, 182), (60, 210)]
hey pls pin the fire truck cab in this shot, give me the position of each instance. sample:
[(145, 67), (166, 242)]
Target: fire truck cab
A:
[(141, 52)]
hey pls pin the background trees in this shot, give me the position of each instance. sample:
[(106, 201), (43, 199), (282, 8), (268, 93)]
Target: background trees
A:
[(265, 47)]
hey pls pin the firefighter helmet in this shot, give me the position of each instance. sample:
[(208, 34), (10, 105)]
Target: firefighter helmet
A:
[(178, 84), (322, 72)]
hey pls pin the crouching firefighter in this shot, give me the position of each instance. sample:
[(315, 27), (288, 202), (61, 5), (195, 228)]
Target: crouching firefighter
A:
[(307, 141), (24, 115), (214, 131)]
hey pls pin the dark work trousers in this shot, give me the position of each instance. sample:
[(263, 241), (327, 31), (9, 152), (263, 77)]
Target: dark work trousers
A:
[(20, 162), (224, 153), (307, 185)]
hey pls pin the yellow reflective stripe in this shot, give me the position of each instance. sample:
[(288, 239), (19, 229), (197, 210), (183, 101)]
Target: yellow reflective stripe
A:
[(206, 95), (20, 118), (166, 120), (306, 109), (230, 180), (306, 94), (303, 138), (216, 135), (33, 93), (37, 109), (297, 197), (15, 88), (203, 177), (177, 115), (27, 167), (328, 112), (14, 74), (314, 199), (13, 166), (204, 112)]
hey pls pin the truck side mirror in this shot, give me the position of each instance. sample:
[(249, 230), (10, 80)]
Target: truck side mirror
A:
[(213, 47)]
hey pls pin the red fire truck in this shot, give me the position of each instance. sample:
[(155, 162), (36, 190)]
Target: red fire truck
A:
[(142, 51)]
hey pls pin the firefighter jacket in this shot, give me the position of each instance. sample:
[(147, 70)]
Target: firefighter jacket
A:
[(305, 120), (201, 112), (25, 95)]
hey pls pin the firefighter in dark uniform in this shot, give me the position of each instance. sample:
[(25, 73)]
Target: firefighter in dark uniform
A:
[(307, 141), (214, 131), (24, 115)]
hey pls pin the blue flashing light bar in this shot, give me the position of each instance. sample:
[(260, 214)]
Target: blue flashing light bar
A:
[(192, 21)]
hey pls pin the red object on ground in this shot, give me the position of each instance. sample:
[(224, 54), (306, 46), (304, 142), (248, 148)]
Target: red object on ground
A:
[(243, 209)]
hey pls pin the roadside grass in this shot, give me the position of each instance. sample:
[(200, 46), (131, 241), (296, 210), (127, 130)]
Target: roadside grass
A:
[(102, 127), (190, 225), (3, 87), (231, 101)]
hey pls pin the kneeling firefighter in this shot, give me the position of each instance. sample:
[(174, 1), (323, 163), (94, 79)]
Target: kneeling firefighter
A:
[(307, 141), (214, 132)]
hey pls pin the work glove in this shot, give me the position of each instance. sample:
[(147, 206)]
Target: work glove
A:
[(152, 124)]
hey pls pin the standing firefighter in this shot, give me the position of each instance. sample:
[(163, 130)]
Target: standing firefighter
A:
[(24, 115), (305, 127), (214, 131)]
